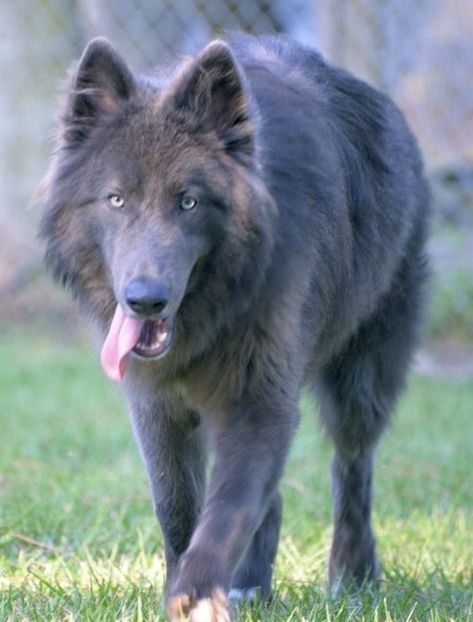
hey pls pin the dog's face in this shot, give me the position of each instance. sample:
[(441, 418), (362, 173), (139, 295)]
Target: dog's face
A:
[(149, 183)]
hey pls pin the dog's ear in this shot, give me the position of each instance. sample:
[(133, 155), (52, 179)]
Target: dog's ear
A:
[(100, 84), (211, 88)]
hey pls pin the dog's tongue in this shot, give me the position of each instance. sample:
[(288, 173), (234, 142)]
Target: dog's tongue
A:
[(121, 339)]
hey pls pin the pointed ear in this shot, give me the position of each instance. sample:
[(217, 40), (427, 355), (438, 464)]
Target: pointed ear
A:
[(100, 85), (212, 90)]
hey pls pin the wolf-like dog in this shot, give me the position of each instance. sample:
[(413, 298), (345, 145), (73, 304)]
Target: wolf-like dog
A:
[(241, 225)]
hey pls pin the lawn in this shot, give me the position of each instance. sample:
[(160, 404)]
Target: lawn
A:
[(78, 540)]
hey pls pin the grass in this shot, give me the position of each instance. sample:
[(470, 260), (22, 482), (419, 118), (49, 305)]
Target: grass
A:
[(78, 541), (451, 309)]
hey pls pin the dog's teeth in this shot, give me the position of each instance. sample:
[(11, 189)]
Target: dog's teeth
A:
[(162, 337)]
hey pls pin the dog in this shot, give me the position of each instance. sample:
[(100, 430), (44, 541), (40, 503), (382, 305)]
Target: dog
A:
[(239, 226)]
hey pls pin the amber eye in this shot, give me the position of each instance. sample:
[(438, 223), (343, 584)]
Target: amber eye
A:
[(187, 202), (116, 200)]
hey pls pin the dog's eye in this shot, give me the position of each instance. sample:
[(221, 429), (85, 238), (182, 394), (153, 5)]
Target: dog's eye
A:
[(116, 200), (187, 202)]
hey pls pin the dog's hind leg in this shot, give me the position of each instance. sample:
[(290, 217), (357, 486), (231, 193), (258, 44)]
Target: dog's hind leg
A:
[(171, 444), (252, 580), (355, 415), (358, 392)]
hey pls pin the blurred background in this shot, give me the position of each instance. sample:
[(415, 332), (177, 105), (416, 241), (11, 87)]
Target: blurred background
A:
[(418, 51)]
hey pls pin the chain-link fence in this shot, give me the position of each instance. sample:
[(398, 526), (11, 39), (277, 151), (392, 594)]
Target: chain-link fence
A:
[(420, 51)]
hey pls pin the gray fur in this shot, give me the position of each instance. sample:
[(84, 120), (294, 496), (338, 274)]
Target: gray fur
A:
[(303, 265)]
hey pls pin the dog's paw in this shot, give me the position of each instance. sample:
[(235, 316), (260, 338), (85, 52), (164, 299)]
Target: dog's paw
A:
[(237, 595), (345, 582), (184, 608)]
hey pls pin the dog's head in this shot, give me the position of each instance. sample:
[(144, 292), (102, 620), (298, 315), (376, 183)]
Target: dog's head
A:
[(153, 203)]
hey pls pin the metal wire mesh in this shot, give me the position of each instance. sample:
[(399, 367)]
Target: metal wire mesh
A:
[(420, 51)]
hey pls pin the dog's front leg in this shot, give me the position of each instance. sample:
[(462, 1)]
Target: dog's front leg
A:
[(172, 447), (251, 444)]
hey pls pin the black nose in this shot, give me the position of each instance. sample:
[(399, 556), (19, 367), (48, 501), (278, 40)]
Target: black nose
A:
[(146, 297)]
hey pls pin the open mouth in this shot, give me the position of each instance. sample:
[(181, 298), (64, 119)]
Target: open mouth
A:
[(147, 339), (154, 339)]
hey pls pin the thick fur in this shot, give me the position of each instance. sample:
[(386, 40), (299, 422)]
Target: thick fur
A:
[(302, 265)]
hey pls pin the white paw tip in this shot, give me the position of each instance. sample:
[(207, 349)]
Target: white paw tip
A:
[(236, 595)]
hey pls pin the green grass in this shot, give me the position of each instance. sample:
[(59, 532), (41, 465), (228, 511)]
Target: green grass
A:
[(450, 314), (78, 541)]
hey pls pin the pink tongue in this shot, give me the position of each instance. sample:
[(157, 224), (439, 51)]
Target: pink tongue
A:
[(121, 339)]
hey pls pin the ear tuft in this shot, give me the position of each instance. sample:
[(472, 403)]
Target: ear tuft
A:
[(100, 85), (212, 91)]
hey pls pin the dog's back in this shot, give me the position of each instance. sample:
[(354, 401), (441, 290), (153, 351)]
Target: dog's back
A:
[(348, 180)]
